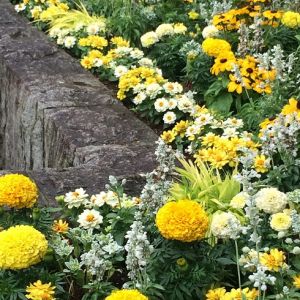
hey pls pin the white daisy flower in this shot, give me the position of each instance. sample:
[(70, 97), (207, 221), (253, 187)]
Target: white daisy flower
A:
[(169, 117), (161, 104), (76, 198), (90, 218)]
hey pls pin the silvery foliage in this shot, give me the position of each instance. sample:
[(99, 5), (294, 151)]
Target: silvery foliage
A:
[(61, 246), (154, 194), (212, 8), (85, 237), (244, 39), (247, 175), (257, 41), (99, 259), (286, 5), (274, 58), (138, 249), (191, 47), (72, 265), (280, 138)]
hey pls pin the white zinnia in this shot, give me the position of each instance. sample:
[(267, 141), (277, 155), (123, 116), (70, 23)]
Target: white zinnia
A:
[(20, 7), (139, 98), (161, 104), (146, 62), (93, 29), (76, 198), (120, 71), (173, 88), (169, 117), (90, 218), (172, 103), (153, 90), (136, 53), (239, 201), (69, 41), (271, 200)]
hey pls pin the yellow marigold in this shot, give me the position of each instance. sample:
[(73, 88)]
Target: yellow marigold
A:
[(291, 19), (274, 260), (126, 295), (214, 47), (21, 246), (236, 294), (60, 226), (17, 191), (193, 15), (40, 291), (215, 294), (184, 221), (296, 281)]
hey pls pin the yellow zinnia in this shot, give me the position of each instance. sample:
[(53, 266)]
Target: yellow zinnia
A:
[(40, 291), (274, 260)]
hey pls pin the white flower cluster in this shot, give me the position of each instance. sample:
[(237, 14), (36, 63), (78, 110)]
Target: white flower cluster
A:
[(138, 249), (163, 30), (155, 191)]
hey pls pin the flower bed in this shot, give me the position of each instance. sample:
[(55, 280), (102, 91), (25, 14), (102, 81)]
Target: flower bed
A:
[(232, 66)]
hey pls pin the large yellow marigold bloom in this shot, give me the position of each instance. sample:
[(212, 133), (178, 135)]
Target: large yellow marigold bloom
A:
[(126, 295), (214, 47), (215, 294), (17, 191), (21, 246), (40, 291), (291, 19), (184, 221)]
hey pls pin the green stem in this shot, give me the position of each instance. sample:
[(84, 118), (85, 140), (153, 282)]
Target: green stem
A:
[(237, 264)]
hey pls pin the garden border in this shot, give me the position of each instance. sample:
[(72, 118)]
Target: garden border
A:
[(58, 123)]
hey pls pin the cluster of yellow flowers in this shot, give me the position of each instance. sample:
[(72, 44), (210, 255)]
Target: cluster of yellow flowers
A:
[(221, 151), (234, 294), (232, 19), (137, 76), (94, 41), (184, 220), (251, 76), (126, 295), (40, 291), (17, 191), (21, 246)]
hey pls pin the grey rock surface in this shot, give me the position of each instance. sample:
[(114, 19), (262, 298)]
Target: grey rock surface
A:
[(58, 123)]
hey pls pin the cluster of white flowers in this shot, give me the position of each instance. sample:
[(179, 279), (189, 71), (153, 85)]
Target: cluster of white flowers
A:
[(99, 259), (138, 249), (225, 225), (150, 38)]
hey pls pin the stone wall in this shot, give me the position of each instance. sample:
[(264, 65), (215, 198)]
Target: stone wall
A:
[(58, 123)]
